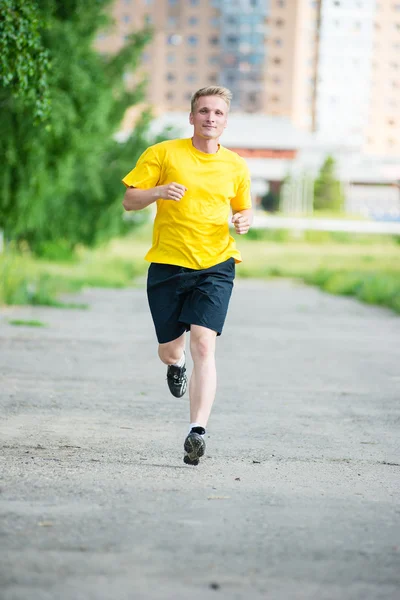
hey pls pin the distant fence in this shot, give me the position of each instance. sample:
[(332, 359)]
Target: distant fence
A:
[(304, 224)]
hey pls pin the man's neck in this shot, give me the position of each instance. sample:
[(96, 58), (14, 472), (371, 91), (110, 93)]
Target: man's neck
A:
[(204, 145)]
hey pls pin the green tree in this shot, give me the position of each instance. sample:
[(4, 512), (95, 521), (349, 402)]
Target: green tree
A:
[(328, 193), (24, 61), (60, 182)]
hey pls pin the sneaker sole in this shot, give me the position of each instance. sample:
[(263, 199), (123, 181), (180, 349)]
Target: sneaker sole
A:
[(194, 447)]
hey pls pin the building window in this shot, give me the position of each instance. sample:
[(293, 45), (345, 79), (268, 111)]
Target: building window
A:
[(172, 2), (174, 40), (213, 78), (279, 22), (278, 42), (170, 77), (213, 59), (145, 57), (192, 59), (281, 3), (188, 96), (256, 59), (192, 40), (172, 22), (214, 22), (193, 21), (170, 96), (170, 58), (274, 98), (232, 39), (126, 18), (191, 77), (195, 2), (147, 19), (214, 40), (391, 122), (277, 60)]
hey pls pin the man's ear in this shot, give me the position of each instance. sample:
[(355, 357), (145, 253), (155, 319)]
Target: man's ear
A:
[(191, 118)]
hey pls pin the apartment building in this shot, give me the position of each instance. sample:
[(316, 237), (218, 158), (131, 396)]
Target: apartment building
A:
[(184, 54), (330, 66), (243, 51), (383, 126)]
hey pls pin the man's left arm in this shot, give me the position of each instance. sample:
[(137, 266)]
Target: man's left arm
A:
[(242, 212)]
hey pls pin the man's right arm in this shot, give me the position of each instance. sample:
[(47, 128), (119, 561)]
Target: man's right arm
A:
[(136, 198)]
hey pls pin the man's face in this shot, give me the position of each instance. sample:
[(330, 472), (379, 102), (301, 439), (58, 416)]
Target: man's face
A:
[(209, 117)]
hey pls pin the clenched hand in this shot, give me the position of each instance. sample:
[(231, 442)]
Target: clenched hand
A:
[(172, 191), (241, 223)]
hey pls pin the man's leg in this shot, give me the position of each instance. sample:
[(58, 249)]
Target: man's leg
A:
[(173, 354), (203, 382)]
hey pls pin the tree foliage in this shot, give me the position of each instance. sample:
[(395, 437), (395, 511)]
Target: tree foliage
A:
[(24, 61), (328, 193), (61, 181)]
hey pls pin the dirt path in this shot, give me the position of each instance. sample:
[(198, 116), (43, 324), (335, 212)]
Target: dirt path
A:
[(298, 497)]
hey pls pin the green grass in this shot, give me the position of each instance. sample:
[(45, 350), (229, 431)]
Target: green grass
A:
[(26, 280), (31, 323), (367, 271)]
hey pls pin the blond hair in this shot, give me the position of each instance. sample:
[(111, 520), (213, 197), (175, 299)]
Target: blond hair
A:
[(215, 90)]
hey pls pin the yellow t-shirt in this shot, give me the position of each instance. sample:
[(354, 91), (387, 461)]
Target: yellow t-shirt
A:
[(193, 232)]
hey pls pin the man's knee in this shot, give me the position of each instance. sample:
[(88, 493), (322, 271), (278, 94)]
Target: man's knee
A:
[(171, 352), (202, 344)]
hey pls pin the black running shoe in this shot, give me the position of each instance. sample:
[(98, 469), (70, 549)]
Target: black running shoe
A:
[(195, 447), (177, 380)]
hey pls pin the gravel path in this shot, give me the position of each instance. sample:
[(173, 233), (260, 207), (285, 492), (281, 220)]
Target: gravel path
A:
[(298, 497)]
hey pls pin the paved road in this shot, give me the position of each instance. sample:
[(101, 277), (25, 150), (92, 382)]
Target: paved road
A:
[(298, 497)]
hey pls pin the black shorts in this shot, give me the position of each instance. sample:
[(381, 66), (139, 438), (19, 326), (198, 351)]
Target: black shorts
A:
[(180, 297)]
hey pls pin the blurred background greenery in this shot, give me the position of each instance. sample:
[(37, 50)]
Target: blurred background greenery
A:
[(61, 217)]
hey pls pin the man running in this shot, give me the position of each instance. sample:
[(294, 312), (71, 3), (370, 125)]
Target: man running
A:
[(195, 183)]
